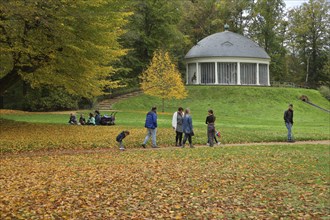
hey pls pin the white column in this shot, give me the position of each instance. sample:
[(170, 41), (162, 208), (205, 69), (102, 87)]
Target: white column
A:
[(197, 74), (257, 74), (187, 74), (216, 73), (238, 73), (268, 74)]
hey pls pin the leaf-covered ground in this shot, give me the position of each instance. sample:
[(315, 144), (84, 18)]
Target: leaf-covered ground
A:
[(16, 137), (255, 182)]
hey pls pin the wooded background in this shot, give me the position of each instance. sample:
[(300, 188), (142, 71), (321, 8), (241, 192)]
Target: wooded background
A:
[(84, 49)]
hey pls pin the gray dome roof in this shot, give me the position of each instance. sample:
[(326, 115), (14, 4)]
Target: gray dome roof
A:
[(226, 44)]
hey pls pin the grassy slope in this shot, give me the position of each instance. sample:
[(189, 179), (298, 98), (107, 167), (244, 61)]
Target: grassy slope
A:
[(255, 111), (244, 114)]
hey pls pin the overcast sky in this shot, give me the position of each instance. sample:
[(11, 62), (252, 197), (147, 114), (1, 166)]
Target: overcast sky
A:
[(294, 3)]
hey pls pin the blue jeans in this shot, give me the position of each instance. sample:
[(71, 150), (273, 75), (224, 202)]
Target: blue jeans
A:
[(289, 127), (152, 133)]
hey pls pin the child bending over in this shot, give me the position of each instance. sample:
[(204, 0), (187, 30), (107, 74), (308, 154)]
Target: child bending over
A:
[(120, 138)]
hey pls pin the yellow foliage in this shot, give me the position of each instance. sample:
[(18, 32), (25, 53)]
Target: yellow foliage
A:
[(162, 78)]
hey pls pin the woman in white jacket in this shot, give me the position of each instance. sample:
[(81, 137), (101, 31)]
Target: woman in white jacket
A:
[(177, 121)]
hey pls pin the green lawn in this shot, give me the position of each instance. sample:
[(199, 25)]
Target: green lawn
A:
[(244, 114)]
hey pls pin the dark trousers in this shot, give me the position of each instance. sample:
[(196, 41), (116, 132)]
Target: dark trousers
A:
[(215, 139), (211, 133), (178, 138), (187, 136)]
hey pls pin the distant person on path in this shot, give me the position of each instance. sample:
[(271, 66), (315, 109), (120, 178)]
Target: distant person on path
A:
[(187, 128), (91, 119), (288, 119), (177, 122), (151, 125), (210, 119), (82, 119), (120, 138), (73, 119)]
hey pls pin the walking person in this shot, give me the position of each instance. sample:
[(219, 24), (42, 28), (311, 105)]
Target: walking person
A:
[(210, 119), (120, 138), (177, 122), (151, 125), (288, 119), (187, 128)]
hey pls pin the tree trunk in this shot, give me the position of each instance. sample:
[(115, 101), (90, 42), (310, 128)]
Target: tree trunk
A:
[(8, 80), (163, 106)]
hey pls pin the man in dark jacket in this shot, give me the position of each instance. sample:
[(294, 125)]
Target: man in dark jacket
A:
[(151, 125), (288, 119)]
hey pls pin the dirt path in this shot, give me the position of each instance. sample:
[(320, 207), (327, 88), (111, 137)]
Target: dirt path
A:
[(281, 143), (114, 150)]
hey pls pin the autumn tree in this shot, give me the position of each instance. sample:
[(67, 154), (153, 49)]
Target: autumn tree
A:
[(162, 79), (68, 44)]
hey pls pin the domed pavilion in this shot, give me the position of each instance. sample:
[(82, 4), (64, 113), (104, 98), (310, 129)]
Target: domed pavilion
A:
[(227, 58)]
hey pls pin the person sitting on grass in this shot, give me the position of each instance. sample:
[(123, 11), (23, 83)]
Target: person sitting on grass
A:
[(73, 119), (82, 120), (120, 138), (91, 119), (97, 117)]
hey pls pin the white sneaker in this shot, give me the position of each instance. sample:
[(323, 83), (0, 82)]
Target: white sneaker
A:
[(219, 143), (208, 144), (122, 148)]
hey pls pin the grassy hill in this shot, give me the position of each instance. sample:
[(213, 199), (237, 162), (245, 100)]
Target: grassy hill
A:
[(255, 111), (244, 114)]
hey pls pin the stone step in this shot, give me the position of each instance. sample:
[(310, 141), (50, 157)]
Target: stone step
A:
[(106, 104)]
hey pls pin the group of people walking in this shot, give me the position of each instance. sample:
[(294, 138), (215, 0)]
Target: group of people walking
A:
[(182, 124)]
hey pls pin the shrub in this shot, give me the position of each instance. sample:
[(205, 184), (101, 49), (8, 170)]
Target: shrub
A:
[(325, 91), (46, 99)]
